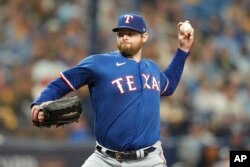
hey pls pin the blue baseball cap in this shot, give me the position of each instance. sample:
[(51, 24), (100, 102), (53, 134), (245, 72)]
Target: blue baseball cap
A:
[(131, 21)]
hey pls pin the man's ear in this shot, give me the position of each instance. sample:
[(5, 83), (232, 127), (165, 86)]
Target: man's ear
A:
[(145, 37)]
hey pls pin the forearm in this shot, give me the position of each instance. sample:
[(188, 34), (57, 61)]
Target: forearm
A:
[(55, 90), (174, 71)]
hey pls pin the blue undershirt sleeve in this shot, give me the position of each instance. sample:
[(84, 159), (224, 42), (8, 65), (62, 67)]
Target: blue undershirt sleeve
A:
[(55, 90), (174, 71)]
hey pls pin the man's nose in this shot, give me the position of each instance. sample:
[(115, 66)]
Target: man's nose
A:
[(125, 37)]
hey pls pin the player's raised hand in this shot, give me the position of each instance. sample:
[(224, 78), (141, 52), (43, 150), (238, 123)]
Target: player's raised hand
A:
[(185, 35)]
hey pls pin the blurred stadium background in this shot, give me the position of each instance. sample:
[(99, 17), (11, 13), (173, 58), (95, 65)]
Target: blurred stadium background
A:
[(207, 116)]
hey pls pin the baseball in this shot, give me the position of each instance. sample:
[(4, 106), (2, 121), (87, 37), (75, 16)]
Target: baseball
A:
[(186, 28)]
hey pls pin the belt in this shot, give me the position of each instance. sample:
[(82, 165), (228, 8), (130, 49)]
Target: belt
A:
[(126, 155)]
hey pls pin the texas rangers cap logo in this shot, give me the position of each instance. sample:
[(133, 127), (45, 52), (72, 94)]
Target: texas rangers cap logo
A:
[(128, 17), (131, 21)]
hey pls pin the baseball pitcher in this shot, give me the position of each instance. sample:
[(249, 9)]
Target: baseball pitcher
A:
[(125, 89)]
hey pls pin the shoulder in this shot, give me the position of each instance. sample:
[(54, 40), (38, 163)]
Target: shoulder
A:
[(102, 57), (151, 63), (108, 55)]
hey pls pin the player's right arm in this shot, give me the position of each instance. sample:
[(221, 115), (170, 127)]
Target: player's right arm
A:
[(171, 76)]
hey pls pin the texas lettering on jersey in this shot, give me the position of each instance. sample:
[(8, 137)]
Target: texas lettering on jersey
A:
[(150, 82)]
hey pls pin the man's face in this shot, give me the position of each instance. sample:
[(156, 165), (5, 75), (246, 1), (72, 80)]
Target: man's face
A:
[(129, 42)]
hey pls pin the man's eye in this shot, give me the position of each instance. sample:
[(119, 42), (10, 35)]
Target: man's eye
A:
[(120, 34), (130, 34)]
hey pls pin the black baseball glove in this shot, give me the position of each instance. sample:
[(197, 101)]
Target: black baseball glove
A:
[(60, 112)]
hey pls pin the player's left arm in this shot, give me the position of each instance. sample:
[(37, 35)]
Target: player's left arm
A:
[(69, 80), (171, 76), (54, 90)]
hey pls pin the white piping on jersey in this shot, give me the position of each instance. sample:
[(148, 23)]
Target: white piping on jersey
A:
[(165, 87), (68, 83)]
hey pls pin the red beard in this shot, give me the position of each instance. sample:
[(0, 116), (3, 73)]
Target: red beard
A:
[(128, 50)]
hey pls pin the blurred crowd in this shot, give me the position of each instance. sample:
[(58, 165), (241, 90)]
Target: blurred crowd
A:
[(208, 115)]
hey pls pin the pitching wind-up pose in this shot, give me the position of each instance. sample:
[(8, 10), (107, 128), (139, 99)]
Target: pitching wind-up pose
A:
[(125, 89)]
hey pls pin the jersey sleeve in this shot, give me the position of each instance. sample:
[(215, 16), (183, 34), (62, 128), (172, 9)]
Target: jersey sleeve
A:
[(71, 79), (164, 83), (80, 75), (171, 76)]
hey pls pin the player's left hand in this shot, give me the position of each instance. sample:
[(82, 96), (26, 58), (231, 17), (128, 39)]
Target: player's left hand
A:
[(36, 115), (185, 38)]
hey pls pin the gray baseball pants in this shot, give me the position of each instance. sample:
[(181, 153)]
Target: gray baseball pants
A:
[(154, 159)]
